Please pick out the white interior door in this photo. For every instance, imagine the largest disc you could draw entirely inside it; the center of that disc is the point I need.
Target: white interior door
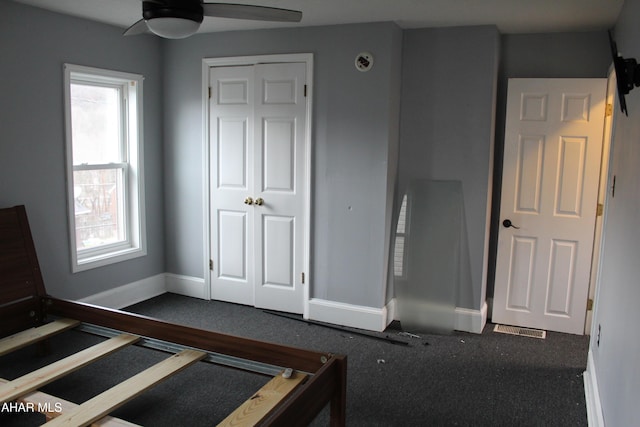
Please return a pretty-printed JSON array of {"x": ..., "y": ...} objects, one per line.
[
  {"x": 280, "y": 116},
  {"x": 257, "y": 171},
  {"x": 231, "y": 139},
  {"x": 552, "y": 157}
]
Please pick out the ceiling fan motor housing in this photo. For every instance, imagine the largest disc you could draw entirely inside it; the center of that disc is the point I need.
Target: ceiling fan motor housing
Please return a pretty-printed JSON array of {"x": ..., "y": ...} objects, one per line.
[{"x": 191, "y": 10}]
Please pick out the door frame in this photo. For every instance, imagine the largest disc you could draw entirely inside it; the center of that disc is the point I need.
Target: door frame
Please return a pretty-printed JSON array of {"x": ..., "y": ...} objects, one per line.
[
  {"x": 207, "y": 63},
  {"x": 603, "y": 188}
]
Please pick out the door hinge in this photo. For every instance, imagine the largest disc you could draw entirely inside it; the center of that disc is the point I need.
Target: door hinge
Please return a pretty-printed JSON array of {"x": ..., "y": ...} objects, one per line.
[
  {"x": 590, "y": 304},
  {"x": 211, "y": 264},
  {"x": 210, "y": 92},
  {"x": 599, "y": 209},
  {"x": 302, "y": 277},
  {"x": 608, "y": 112},
  {"x": 305, "y": 91}
]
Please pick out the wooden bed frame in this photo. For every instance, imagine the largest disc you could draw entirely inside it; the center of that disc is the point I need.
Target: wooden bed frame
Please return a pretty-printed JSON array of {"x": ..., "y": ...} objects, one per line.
[{"x": 303, "y": 382}]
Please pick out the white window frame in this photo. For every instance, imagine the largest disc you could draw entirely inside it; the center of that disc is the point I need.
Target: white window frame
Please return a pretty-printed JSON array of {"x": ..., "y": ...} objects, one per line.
[{"x": 134, "y": 243}]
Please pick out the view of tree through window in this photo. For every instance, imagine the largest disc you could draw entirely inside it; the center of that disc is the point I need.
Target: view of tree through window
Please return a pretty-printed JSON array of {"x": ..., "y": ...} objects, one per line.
[{"x": 98, "y": 164}]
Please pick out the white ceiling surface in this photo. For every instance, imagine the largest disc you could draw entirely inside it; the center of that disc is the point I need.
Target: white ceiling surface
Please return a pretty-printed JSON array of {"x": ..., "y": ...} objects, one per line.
[{"x": 510, "y": 16}]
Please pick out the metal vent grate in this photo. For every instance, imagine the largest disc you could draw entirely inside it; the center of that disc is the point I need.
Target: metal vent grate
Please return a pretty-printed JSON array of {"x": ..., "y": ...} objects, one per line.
[{"x": 525, "y": 332}]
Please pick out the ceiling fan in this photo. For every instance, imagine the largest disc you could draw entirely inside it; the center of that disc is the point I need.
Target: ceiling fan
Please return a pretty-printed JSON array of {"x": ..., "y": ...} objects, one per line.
[{"x": 177, "y": 19}]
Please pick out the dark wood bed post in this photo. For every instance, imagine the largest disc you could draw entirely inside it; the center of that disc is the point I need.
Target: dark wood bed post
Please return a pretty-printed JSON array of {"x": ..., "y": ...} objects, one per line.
[
  {"x": 328, "y": 385},
  {"x": 339, "y": 399}
]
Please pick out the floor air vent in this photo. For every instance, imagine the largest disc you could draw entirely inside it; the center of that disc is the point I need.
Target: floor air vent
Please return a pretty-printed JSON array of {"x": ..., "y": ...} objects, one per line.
[{"x": 524, "y": 332}]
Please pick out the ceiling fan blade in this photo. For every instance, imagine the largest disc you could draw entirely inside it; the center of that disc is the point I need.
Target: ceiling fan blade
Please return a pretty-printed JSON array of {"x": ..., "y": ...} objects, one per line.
[
  {"x": 139, "y": 27},
  {"x": 256, "y": 13}
]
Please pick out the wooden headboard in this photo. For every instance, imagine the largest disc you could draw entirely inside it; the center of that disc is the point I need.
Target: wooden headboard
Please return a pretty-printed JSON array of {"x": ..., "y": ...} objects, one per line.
[{"x": 21, "y": 285}]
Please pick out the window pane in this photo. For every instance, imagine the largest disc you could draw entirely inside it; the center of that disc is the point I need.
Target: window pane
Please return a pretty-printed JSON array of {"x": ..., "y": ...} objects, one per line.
[
  {"x": 95, "y": 124},
  {"x": 99, "y": 207}
]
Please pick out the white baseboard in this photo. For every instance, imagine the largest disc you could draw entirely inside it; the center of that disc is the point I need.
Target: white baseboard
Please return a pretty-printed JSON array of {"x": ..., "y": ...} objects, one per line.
[
  {"x": 466, "y": 319},
  {"x": 129, "y": 294},
  {"x": 595, "y": 418},
  {"x": 141, "y": 290},
  {"x": 354, "y": 316},
  {"x": 185, "y": 285},
  {"x": 377, "y": 319},
  {"x": 392, "y": 311},
  {"x": 469, "y": 320}
]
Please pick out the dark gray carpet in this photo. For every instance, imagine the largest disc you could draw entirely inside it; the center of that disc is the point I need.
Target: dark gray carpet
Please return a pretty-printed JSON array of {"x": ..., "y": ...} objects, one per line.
[{"x": 438, "y": 380}]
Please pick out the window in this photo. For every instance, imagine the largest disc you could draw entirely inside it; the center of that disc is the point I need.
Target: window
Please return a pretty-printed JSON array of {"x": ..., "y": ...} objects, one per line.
[{"x": 104, "y": 166}]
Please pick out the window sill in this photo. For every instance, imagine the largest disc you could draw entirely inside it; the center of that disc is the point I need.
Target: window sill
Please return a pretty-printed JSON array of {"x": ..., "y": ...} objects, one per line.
[{"x": 102, "y": 260}]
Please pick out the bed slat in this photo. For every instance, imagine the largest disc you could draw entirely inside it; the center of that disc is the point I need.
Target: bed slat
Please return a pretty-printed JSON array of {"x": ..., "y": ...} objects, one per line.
[
  {"x": 120, "y": 394},
  {"x": 52, "y": 372},
  {"x": 258, "y": 406},
  {"x": 52, "y": 407},
  {"x": 33, "y": 335}
]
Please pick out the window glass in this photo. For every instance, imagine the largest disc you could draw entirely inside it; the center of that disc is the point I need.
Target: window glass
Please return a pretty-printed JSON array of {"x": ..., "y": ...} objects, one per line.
[
  {"x": 96, "y": 124},
  {"x": 98, "y": 206}
]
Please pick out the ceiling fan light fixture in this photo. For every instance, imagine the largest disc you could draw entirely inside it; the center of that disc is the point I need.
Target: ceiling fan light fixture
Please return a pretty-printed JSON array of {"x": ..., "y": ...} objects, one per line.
[
  {"x": 172, "y": 27},
  {"x": 178, "y": 19}
]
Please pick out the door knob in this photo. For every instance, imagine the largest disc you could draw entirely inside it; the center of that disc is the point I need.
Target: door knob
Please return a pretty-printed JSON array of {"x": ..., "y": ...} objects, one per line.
[
  {"x": 259, "y": 201},
  {"x": 248, "y": 201},
  {"x": 507, "y": 223}
]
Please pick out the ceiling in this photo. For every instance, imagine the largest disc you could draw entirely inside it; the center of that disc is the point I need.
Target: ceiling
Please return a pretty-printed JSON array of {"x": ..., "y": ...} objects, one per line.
[{"x": 510, "y": 16}]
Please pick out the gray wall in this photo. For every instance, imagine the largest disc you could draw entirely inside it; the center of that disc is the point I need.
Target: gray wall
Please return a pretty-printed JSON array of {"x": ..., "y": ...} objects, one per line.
[
  {"x": 616, "y": 311},
  {"x": 556, "y": 55},
  {"x": 34, "y": 44},
  {"x": 355, "y": 122},
  {"x": 355, "y": 134},
  {"x": 449, "y": 86}
]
